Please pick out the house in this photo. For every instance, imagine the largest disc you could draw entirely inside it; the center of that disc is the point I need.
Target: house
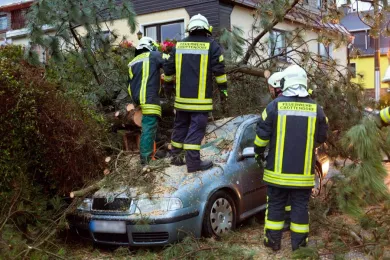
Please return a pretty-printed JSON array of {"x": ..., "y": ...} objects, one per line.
[
  {"x": 362, "y": 52},
  {"x": 168, "y": 19},
  {"x": 13, "y": 26},
  {"x": 13, "y": 22}
]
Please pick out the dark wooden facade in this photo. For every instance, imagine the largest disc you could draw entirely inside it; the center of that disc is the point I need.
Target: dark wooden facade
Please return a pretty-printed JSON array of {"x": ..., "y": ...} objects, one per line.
[{"x": 217, "y": 12}]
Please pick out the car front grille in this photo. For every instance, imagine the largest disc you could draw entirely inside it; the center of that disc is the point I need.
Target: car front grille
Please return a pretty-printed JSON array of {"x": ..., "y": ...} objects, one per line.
[
  {"x": 119, "y": 204},
  {"x": 150, "y": 237},
  {"x": 112, "y": 238}
]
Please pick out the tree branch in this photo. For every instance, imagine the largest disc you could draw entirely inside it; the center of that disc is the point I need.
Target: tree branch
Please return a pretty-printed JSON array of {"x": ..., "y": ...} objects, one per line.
[
  {"x": 83, "y": 48},
  {"x": 264, "y": 32}
]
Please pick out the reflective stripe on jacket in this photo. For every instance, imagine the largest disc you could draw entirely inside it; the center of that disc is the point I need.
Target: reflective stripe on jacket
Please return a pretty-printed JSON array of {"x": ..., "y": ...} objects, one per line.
[
  {"x": 144, "y": 81},
  {"x": 194, "y": 61},
  {"x": 291, "y": 126}
]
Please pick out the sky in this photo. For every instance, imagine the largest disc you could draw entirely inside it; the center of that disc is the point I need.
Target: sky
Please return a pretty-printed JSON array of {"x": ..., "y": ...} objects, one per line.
[{"x": 5, "y": 2}]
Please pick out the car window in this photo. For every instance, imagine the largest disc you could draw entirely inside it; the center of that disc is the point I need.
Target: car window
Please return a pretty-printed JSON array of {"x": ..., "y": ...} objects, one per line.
[{"x": 248, "y": 137}]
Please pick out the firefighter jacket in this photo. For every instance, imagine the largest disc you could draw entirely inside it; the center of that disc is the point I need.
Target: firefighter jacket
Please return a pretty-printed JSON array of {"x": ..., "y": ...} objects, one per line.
[
  {"x": 291, "y": 126},
  {"x": 194, "y": 61},
  {"x": 385, "y": 115},
  {"x": 144, "y": 81}
]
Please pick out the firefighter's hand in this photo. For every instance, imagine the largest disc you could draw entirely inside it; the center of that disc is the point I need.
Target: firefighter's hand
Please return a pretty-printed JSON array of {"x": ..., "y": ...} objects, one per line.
[
  {"x": 260, "y": 159},
  {"x": 223, "y": 95}
]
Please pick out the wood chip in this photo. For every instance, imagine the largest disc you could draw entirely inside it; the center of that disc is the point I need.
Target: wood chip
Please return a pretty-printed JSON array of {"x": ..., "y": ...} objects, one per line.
[{"x": 130, "y": 107}]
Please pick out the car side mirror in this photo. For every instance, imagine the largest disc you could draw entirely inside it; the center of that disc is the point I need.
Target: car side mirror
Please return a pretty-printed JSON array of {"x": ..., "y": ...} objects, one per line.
[{"x": 248, "y": 152}]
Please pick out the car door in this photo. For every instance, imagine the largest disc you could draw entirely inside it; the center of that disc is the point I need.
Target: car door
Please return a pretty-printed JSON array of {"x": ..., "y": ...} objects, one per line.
[{"x": 251, "y": 175}]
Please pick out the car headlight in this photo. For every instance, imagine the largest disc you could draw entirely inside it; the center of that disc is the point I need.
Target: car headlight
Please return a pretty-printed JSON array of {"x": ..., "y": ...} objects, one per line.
[
  {"x": 144, "y": 206},
  {"x": 86, "y": 205}
]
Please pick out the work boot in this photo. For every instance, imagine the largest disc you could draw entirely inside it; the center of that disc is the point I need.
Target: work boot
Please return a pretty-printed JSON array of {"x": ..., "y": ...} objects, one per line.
[
  {"x": 303, "y": 243},
  {"x": 204, "y": 165},
  {"x": 160, "y": 154},
  {"x": 177, "y": 161},
  {"x": 272, "y": 244}
]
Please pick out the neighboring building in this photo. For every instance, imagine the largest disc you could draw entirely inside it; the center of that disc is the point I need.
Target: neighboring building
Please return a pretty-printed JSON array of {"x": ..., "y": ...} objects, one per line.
[
  {"x": 168, "y": 19},
  {"x": 13, "y": 22},
  {"x": 362, "y": 53},
  {"x": 13, "y": 26}
]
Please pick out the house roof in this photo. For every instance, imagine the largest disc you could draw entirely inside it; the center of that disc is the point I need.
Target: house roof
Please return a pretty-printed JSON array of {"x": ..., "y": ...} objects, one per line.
[
  {"x": 21, "y": 4},
  {"x": 304, "y": 16},
  {"x": 353, "y": 22}
]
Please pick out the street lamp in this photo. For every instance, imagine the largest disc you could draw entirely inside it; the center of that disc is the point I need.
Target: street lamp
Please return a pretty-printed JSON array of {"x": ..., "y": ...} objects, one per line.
[{"x": 139, "y": 35}]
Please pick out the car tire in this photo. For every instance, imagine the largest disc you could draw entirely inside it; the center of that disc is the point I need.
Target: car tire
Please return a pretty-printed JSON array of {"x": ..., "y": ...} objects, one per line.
[{"x": 220, "y": 215}]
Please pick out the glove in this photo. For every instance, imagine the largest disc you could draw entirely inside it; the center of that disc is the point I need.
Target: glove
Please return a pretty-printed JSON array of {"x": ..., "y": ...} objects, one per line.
[
  {"x": 223, "y": 96},
  {"x": 260, "y": 159}
]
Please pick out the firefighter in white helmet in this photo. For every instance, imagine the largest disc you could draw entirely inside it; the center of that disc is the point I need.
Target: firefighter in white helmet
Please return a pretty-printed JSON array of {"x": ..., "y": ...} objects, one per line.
[
  {"x": 292, "y": 124},
  {"x": 194, "y": 61},
  {"x": 144, "y": 87}
]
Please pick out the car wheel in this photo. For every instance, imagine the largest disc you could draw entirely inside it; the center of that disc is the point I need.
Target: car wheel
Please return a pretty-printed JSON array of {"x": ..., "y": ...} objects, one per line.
[{"x": 220, "y": 215}]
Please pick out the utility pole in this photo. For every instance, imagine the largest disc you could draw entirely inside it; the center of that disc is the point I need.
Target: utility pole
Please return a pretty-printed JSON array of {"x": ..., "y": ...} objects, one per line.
[{"x": 377, "y": 54}]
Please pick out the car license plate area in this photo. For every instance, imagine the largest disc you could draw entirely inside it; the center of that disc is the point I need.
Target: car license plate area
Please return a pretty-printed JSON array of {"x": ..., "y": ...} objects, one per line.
[{"x": 102, "y": 226}]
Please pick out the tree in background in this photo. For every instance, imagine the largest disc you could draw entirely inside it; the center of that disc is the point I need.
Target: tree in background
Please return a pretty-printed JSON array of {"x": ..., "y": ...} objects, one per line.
[{"x": 84, "y": 44}]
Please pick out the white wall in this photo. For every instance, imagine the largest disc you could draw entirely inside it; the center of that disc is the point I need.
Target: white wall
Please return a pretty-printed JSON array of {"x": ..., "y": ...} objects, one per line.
[{"x": 242, "y": 18}]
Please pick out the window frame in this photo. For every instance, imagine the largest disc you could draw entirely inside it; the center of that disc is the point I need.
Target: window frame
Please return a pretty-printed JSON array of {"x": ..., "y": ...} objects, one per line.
[
  {"x": 352, "y": 69},
  {"x": 250, "y": 125},
  {"x": 273, "y": 48},
  {"x": 7, "y": 22},
  {"x": 328, "y": 50},
  {"x": 158, "y": 28}
]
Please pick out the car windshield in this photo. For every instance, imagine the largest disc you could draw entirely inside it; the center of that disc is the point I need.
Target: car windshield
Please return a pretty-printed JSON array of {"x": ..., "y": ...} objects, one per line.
[{"x": 219, "y": 138}]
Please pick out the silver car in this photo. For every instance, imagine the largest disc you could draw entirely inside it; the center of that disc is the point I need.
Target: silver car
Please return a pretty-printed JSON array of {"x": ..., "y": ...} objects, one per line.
[{"x": 207, "y": 203}]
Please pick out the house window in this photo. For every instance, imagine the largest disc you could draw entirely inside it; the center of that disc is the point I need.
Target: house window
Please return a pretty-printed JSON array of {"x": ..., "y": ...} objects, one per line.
[
  {"x": 278, "y": 44},
  {"x": 3, "y": 22},
  {"x": 319, "y": 3},
  {"x": 164, "y": 31},
  {"x": 325, "y": 52},
  {"x": 352, "y": 69}
]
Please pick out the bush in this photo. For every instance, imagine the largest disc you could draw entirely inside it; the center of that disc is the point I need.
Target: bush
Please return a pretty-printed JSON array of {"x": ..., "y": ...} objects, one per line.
[{"x": 51, "y": 139}]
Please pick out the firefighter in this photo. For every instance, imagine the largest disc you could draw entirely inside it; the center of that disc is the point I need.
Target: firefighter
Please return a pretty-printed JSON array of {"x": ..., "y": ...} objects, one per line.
[
  {"x": 292, "y": 125},
  {"x": 144, "y": 87},
  {"x": 194, "y": 61},
  {"x": 275, "y": 91}
]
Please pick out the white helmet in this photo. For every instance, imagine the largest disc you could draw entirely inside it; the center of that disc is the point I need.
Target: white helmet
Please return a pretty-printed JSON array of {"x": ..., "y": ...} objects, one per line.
[
  {"x": 292, "y": 76},
  {"x": 198, "y": 22},
  {"x": 146, "y": 42},
  {"x": 274, "y": 80}
]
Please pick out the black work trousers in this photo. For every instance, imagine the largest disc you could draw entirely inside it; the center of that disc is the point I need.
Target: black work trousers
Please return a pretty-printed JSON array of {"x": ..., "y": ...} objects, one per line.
[
  {"x": 277, "y": 199},
  {"x": 188, "y": 131}
]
